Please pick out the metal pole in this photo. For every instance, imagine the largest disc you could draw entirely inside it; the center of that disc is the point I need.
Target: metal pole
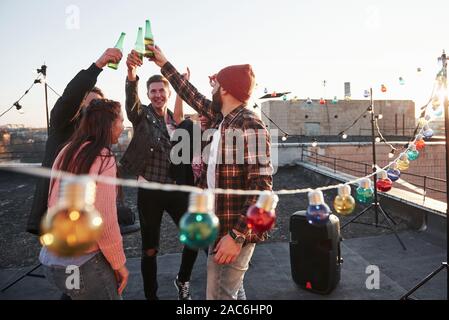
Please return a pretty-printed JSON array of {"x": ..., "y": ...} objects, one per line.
[
  {"x": 44, "y": 73},
  {"x": 446, "y": 130},
  {"x": 373, "y": 137}
]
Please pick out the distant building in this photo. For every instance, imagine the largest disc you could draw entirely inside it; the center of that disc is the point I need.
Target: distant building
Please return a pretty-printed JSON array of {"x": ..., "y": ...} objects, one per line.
[{"x": 299, "y": 118}]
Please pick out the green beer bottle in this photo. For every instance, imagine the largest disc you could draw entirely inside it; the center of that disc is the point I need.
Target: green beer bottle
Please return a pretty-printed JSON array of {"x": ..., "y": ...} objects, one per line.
[
  {"x": 149, "y": 39},
  {"x": 118, "y": 45},
  {"x": 139, "y": 46}
]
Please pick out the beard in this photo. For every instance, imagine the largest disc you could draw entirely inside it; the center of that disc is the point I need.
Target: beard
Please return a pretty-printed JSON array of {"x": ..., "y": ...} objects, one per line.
[{"x": 217, "y": 102}]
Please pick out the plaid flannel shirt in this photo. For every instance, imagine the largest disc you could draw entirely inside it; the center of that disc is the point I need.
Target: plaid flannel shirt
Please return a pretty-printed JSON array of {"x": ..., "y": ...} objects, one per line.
[{"x": 252, "y": 174}]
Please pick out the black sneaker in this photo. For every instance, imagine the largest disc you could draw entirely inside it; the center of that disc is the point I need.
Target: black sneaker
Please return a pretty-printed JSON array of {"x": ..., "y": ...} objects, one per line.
[{"x": 183, "y": 289}]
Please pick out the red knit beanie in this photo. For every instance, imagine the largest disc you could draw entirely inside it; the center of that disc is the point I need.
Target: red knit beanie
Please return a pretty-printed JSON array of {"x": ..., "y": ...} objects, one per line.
[{"x": 238, "y": 80}]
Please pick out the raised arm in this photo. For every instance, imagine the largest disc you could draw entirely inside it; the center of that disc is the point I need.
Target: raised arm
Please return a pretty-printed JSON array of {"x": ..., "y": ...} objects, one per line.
[
  {"x": 178, "y": 113},
  {"x": 69, "y": 104},
  {"x": 132, "y": 104},
  {"x": 183, "y": 87}
]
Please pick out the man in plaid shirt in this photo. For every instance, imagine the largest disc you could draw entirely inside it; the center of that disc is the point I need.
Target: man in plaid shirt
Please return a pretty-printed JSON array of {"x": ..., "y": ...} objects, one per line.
[{"x": 245, "y": 166}]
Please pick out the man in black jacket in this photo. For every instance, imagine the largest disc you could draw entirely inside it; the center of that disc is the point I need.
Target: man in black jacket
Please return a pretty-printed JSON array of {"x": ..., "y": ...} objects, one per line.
[
  {"x": 148, "y": 158},
  {"x": 64, "y": 119}
]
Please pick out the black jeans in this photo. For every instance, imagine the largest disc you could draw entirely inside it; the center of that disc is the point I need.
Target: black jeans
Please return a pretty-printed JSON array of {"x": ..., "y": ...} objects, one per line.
[{"x": 151, "y": 205}]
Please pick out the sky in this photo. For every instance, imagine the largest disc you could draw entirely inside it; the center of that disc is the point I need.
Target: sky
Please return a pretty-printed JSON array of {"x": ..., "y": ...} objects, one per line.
[{"x": 292, "y": 45}]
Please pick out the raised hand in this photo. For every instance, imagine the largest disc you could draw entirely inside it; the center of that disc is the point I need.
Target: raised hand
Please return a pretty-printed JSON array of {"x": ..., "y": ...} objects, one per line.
[
  {"x": 159, "y": 58},
  {"x": 113, "y": 55},
  {"x": 132, "y": 62},
  {"x": 187, "y": 74}
]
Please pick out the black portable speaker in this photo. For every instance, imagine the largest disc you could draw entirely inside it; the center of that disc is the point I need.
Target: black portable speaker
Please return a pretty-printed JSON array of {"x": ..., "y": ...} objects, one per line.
[{"x": 315, "y": 255}]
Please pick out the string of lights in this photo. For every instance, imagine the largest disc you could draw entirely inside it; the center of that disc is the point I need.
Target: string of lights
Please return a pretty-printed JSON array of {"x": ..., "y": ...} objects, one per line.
[
  {"x": 343, "y": 133},
  {"x": 423, "y": 120},
  {"x": 286, "y": 135},
  {"x": 48, "y": 173},
  {"x": 17, "y": 103}
]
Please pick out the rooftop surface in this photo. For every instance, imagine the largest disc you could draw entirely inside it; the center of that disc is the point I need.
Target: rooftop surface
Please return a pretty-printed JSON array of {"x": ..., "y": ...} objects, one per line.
[{"x": 269, "y": 276}]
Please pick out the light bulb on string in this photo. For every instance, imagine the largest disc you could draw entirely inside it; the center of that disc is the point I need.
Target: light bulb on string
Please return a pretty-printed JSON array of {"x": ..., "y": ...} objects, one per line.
[
  {"x": 344, "y": 203},
  {"x": 383, "y": 183},
  {"x": 284, "y": 97},
  {"x": 73, "y": 225},
  {"x": 438, "y": 112},
  {"x": 439, "y": 98},
  {"x": 378, "y": 139},
  {"x": 322, "y": 101},
  {"x": 309, "y": 101},
  {"x": 427, "y": 132},
  {"x": 403, "y": 163},
  {"x": 335, "y": 100},
  {"x": 261, "y": 217},
  {"x": 393, "y": 173},
  {"x": 198, "y": 227},
  {"x": 19, "y": 108},
  {"x": 344, "y": 136},
  {"x": 383, "y": 88},
  {"x": 365, "y": 192},
  {"x": 412, "y": 153},
  {"x": 318, "y": 211},
  {"x": 422, "y": 122},
  {"x": 284, "y": 137},
  {"x": 391, "y": 154},
  {"x": 380, "y": 116},
  {"x": 420, "y": 143},
  {"x": 274, "y": 94},
  {"x": 265, "y": 90},
  {"x": 436, "y": 102},
  {"x": 366, "y": 93},
  {"x": 314, "y": 143}
]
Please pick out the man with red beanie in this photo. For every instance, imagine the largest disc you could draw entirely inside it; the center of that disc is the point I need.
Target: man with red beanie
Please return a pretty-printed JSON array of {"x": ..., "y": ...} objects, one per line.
[{"x": 232, "y": 87}]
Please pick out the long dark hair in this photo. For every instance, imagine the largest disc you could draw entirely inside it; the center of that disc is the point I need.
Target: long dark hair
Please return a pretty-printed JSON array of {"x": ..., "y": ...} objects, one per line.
[{"x": 95, "y": 133}]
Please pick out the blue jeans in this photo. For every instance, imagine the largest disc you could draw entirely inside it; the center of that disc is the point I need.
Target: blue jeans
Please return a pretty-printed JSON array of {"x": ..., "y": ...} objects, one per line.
[
  {"x": 225, "y": 281},
  {"x": 96, "y": 280}
]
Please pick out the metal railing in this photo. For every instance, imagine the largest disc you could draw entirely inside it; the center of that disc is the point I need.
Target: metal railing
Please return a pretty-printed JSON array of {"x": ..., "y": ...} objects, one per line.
[{"x": 365, "y": 169}]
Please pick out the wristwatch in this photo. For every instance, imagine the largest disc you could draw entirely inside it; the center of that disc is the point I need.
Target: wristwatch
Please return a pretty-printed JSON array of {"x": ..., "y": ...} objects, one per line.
[{"x": 239, "y": 239}]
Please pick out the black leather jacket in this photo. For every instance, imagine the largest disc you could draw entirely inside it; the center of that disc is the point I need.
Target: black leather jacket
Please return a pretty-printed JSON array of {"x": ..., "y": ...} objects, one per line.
[{"x": 150, "y": 146}]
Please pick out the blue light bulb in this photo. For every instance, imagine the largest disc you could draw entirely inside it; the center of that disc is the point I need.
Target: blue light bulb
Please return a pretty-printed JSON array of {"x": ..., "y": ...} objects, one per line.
[
  {"x": 317, "y": 212},
  {"x": 428, "y": 132},
  {"x": 394, "y": 174}
]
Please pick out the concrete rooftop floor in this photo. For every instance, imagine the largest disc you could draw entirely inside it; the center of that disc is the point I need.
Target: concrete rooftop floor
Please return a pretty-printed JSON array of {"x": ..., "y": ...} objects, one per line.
[{"x": 269, "y": 277}]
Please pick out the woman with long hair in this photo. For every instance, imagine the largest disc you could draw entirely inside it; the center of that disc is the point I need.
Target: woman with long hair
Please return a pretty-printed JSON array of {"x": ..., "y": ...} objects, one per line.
[{"x": 102, "y": 271}]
